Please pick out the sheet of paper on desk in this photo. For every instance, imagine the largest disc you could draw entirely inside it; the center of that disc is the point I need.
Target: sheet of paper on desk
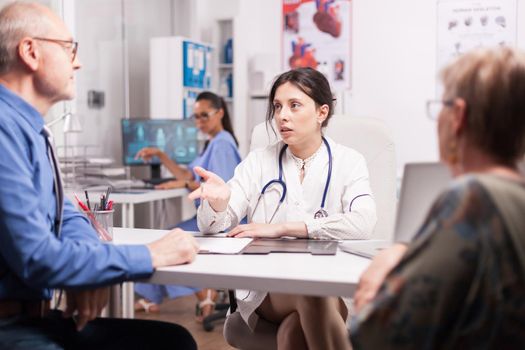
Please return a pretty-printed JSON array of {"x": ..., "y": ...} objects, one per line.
[{"x": 222, "y": 245}]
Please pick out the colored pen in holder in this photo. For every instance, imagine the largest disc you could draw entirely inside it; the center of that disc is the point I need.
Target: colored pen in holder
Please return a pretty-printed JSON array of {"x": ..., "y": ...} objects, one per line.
[{"x": 102, "y": 222}]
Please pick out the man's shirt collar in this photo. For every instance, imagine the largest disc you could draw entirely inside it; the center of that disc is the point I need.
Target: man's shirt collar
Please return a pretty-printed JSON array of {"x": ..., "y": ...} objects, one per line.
[{"x": 24, "y": 109}]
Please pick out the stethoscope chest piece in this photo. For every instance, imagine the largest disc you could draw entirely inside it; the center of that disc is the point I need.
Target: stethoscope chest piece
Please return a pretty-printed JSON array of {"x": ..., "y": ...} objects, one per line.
[{"x": 321, "y": 213}]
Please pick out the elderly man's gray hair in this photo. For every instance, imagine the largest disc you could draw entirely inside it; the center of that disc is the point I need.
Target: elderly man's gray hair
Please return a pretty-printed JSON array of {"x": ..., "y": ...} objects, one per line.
[{"x": 17, "y": 20}]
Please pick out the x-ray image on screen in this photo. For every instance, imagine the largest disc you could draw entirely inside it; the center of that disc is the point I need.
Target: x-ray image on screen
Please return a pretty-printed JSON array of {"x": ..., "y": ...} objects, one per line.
[{"x": 177, "y": 138}]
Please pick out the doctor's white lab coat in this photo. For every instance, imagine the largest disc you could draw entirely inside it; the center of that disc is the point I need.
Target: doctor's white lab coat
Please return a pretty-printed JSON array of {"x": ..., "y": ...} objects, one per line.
[{"x": 349, "y": 201}]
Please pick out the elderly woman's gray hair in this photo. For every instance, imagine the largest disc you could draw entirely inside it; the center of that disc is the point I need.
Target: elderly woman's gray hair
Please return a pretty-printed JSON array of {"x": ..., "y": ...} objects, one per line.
[{"x": 492, "y": 83}]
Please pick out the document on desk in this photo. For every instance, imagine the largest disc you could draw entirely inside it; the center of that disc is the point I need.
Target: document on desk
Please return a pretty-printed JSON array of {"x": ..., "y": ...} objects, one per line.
[{"x": 222, "y": 245}]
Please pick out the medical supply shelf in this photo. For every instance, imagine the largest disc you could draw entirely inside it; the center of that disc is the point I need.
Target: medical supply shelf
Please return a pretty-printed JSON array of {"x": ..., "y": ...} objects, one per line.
[{"x": 180, "y": 69}]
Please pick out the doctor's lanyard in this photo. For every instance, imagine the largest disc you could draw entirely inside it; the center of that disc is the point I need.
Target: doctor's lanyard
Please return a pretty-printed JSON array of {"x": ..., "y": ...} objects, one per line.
[{"x": 321, "y": 213}]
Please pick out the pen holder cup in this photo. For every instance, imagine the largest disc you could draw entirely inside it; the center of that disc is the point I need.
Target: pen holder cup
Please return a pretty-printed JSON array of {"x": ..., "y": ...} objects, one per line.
[{"x": 102, "y": 222}]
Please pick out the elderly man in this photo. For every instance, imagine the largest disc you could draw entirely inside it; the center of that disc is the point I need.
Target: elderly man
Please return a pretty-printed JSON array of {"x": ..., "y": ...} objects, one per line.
[{"x": 44, "y": 242}]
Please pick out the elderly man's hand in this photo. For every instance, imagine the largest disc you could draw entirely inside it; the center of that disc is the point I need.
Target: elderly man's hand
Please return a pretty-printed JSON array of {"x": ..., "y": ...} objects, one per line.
[
  {"x": 85, "y": 305},
  {"x": 375, "y": 274},
  {"x": 175, "y": 248}
]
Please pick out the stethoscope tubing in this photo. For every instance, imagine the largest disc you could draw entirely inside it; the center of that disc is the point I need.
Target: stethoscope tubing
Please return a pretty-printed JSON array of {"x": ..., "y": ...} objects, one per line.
[
  {"x": 329, "y": 176},
  {"x": 281, "y": 182}
]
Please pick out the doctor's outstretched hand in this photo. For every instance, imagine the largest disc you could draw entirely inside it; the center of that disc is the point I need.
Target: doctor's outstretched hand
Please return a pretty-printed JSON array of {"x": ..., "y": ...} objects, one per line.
[{"x": 213, "y": 189}]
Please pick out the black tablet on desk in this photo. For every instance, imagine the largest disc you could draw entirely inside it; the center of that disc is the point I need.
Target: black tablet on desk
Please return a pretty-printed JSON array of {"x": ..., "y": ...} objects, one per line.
[{"x": 314, "y": 247}]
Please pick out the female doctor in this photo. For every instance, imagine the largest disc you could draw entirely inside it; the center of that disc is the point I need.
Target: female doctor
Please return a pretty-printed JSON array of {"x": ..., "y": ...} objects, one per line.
[{"x": 304, "y": 186}]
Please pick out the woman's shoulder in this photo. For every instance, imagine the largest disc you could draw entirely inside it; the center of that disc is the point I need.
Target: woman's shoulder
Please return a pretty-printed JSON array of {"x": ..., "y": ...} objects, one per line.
[
  {"x": 470, "y": 198},
  {"x": 490, "y": 189},
  {"x": 223, "y": 138},
  {"x": 222, "y": 142},
  {"x": 471, "y": 183},
  {"x": 461, "y": 192},
  {"x": 463, "y": 208}
]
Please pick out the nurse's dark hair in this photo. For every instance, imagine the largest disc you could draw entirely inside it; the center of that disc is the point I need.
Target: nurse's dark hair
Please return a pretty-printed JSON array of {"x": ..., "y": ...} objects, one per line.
[
  {"x": 217, "y": 102},
  {"x": 311, "y": 82}
]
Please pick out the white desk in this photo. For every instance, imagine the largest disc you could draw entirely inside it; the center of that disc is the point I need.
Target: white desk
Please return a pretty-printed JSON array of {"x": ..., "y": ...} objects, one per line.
[
  {"x": 332, "y": 275},
  {"x": 128, "y": 200}
]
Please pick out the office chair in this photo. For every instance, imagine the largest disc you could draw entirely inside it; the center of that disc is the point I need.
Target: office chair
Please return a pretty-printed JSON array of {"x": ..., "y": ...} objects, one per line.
[
  {"x": 372, "y": 139},
  {"x": 221, "y": 311}
]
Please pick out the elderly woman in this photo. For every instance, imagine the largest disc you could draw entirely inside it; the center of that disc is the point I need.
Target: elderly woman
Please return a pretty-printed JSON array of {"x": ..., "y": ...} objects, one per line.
[{"x": 461, "y": 282}]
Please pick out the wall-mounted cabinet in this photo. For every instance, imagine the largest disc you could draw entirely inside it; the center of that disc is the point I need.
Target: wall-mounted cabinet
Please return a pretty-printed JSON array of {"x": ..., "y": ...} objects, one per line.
[
  {"x": 225, "y": 63},
  {"x": 180, "y": 69}
]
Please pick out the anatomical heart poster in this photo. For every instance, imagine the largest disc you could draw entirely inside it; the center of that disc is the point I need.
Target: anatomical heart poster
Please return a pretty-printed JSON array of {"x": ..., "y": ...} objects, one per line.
[{"x": 317, "y": 34}]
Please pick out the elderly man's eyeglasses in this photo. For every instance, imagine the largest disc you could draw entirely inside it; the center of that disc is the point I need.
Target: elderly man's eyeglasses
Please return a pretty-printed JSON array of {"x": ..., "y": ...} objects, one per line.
[
  {"x": 434, "y": 107},
  {"x": 70, "y": 45},
  {"x": 203, "y": 116}
]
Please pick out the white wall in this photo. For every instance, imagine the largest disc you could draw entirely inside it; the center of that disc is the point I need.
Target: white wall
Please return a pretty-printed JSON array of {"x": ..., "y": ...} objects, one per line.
[
  {"x": 114, "y": 49},
  {"x": 394, "y": 63},
  {"x": 394, "y": 71},
  {"x": 100, "y": 34}
]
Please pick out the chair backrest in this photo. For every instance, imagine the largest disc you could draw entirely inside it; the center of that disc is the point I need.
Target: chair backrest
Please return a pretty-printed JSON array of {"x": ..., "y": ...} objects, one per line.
[{"x": 371, "y": 138}]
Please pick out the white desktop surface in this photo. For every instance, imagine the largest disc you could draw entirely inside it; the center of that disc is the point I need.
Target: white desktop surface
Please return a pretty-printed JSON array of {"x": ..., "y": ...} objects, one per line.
[
  {"x": 146, "y": 195},
  {"x": 299, "y": 273}
]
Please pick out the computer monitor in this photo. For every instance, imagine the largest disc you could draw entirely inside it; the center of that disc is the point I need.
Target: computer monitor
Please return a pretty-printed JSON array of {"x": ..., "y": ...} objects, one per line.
[{"x": 177, "y": 138}]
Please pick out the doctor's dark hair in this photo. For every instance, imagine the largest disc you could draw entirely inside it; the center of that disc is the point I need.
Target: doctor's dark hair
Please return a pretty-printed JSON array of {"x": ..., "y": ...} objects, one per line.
[
  {"x": 311, "y": 82},
  {"x": 217, "y": 102}
]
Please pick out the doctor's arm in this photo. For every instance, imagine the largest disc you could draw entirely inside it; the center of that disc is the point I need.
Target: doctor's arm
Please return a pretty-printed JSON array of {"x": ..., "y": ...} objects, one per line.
[
  {"x": 224, "y": 205},
  {"x": 214, "y": 194},
  {"x": 290, "y": 229},
  {"x": 358, "y": 217}
]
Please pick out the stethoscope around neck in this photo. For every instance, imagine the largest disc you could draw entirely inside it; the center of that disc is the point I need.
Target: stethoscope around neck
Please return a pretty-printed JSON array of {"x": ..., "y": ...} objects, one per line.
[{"x": 321, "y": 213}]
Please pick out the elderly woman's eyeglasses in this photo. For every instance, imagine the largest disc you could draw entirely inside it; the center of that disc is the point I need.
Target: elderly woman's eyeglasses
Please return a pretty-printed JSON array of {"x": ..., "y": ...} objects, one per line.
[
  {"x": 70, "y": 45},
  {"x": 434, "y": 107},
  {"x": 203, "y": 116}
]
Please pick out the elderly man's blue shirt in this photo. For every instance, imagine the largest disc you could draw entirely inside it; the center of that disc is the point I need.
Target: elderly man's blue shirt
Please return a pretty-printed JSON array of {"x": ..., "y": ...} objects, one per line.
[{"x": 32, "y": 258}]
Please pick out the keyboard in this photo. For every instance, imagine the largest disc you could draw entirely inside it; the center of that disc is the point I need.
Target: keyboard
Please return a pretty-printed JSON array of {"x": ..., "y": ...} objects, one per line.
[
  {"x": 126, "y": 184},
  {"x": 158, "y": 181}
]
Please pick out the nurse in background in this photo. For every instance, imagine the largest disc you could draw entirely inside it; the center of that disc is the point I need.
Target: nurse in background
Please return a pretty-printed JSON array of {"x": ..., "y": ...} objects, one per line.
[
  {"x": 220, "y": 155},
  {"x": 301, "y": 103}
]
